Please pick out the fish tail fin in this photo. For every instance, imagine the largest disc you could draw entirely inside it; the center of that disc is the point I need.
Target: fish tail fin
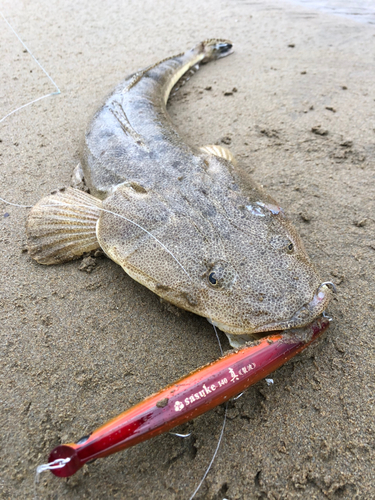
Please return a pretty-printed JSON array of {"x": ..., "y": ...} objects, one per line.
[
  {"x": 215, "y": 48},
  {"x": 62, "y": 226}
]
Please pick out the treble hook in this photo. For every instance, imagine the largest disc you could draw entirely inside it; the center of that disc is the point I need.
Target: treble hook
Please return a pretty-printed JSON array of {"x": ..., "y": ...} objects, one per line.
[{"x": 325, "y": 315}]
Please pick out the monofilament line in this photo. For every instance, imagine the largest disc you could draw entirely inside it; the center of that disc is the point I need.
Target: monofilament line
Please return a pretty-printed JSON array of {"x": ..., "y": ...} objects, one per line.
[
  {"x": 152, "y": 236},
  {"x": 221, "y": 433},
  {"x": 214, "y": 455},
  {"x": 217, "y": 337},
  {"x": 56, "y": 464},
  {"x": 59, "y": 204},
  {"x": 15, "y": 204},
  {"x": 41, "y": 67}
]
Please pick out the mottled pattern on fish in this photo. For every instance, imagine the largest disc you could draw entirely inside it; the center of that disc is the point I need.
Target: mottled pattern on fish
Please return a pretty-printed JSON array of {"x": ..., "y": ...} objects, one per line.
[
  {"x": 132, "y": 138},
  {"x": 186, "y": 222}
]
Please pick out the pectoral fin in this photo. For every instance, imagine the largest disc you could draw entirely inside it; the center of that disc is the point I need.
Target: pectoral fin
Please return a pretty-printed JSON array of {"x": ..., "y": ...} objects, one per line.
[
  {"x": 219, "y": 151},
  {"x": 62, "y": 226}
]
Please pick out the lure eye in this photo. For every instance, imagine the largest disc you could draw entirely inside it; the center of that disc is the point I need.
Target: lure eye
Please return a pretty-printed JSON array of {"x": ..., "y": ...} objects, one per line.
[
  {"x": 212, "y": 279},
  {"x": 290, "y": 248}
]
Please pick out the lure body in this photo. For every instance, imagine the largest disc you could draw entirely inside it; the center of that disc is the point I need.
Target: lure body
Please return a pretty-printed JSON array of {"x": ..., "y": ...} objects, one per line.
[{"x": 187, "y": 398}]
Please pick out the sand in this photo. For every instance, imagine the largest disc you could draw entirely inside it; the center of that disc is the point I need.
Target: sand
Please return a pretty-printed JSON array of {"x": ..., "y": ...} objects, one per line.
[{"x": 78, "y": 348}]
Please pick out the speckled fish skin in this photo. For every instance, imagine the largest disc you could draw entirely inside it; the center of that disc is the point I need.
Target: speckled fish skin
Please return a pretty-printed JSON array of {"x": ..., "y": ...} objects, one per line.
[
  {"x": 233, "y": 257},
  {"x": 132, "y": 137}
]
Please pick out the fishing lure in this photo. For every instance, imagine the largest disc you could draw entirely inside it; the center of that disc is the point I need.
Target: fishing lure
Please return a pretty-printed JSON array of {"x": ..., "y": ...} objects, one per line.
[{"x": 185, "y": 399}]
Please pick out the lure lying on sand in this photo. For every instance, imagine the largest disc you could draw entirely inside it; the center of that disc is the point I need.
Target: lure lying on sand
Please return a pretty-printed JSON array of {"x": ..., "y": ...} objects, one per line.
[{"x": 185, "y": 399}]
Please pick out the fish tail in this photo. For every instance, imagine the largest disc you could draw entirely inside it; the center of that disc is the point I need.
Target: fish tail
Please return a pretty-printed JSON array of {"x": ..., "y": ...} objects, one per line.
[
  {"x": 215, "y": 48},
  {"x": 62, "y": 226},
  {"x": 204, "y": 52}
]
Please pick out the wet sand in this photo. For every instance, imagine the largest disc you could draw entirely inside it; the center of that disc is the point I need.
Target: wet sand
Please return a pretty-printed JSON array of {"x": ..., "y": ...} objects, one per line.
[{"x": 78, "y": 348}]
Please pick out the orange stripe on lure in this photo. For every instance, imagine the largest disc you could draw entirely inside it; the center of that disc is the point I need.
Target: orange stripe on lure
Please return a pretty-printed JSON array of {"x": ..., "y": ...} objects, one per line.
[{"x": 187, "y": 398}]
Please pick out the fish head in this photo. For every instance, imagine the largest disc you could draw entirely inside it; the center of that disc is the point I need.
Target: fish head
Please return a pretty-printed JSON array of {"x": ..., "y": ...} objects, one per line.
[
  {"x": 262, "y": 279},
  {"x": 225, "y": 254},
  {"x": 258, "y": 275}
]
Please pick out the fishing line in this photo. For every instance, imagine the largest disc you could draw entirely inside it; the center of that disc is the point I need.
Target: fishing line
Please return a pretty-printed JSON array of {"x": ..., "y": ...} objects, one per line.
[
  {"x": 221, "y": 433},
  {"x": 214, "y": 455},
  {"x": 60, "y": 463},
  {"x": 180, "y": 435},
  {"x": 41, "y": 67},
  {"x": 56, "y": 464},
  {"x": 61, "y": 203},
  {"x": 15, "y": 204},
  {"x": 58, "y": 204},
  {"x": 217, "y": 337}
]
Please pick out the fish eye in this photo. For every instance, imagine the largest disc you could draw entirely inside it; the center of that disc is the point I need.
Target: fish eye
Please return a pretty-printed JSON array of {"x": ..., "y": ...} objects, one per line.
[
  {"x": 290, "y": 247},
  {"x": 212, "y": 279},
  {"x": 221, "y": 275}
]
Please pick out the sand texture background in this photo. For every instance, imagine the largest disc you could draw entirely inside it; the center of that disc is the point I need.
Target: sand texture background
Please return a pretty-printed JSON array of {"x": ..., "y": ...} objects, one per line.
[{"x": 77, "y": 348}]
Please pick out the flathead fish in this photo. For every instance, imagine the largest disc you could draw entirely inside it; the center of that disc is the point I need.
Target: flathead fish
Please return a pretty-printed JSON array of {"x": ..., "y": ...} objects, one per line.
[{"x": 185, "y": 221}]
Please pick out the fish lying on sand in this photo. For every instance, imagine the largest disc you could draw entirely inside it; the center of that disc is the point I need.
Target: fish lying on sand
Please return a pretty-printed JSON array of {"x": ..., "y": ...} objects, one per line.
[{"x": 184, "y": 221}]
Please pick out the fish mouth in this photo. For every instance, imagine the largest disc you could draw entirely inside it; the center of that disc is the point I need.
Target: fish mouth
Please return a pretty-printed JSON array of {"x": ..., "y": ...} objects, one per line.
[
  {"x": 306, "y": 314},
  {"x": 302, "y": 317}
]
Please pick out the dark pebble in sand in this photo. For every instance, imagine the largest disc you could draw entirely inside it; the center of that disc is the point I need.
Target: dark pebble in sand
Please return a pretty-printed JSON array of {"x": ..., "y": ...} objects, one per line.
[
  {"x": 226, "y": 140},
  {"x": 360, "y": 223},
  {"x": 88, "y": 265},
  {"x": 162, "y": 403},
  {"x": 272, "y": 133},
  {"x": 339, "y": 277},
  {"x": 305, "y": 216},
  {"x": 319, "y": 131}
]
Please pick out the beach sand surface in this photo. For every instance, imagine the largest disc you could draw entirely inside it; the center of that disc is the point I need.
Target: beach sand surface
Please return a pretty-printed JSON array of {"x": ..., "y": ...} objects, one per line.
[{"x": 78, "y": 348}]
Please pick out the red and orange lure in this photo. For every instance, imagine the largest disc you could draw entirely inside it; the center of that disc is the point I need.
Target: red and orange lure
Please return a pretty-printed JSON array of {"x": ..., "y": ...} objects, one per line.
[{"x": 185, "y": 399}]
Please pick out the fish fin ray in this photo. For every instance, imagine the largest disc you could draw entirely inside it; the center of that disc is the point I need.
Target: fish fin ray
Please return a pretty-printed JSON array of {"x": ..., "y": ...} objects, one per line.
[
  {"x": 62, "y": 226},
  {"x": 219, "y": 151}
]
